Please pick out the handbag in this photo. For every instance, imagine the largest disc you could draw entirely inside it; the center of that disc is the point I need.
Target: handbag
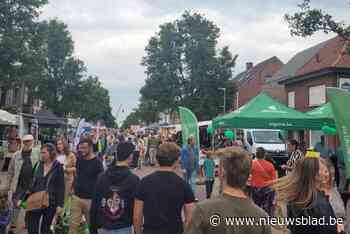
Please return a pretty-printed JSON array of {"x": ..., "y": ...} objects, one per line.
[{"x": 39, "y": 200}]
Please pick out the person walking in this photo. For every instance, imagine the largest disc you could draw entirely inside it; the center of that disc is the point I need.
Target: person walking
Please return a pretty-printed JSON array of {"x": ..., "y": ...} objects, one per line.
[
  {"x": 234, "y": 201},
  {"x": 20, "y": 179},
  {"x": 153, "y": 144},
  {"x": 209, "y": 173},
  {"x": 190, "y": 162},
  {"x": 136, "y": 153},
  {"x": 48, "y": 177},
  {"x": 302, "y": 191},
  {"x": 327, "y": 176},
  {"x": 88, "y": 168},
  {"x": 322, "y": 148},
  {"x": 68, "y": 161},
  {"x": 295, "y": 155},
  {"x": 6, "y": 156},
  {"x": 341, "y": 156},
  {"x": 142, "y": 151},
  {"x": 263, "y": 175},
  {"x": 111, "y": 151},
  {"x": 162, "y": 195},
  {"x": 112, "y": 204}
]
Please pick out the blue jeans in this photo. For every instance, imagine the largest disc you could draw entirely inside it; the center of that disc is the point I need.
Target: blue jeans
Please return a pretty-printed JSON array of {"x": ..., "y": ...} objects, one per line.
[
  {"x": 115, "y": 231},
  {"x": 190, "y": 178}
]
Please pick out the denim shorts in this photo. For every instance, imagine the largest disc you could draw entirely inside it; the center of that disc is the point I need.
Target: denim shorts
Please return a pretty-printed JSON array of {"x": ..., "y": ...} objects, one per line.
[{"x": 127, "y": 230}]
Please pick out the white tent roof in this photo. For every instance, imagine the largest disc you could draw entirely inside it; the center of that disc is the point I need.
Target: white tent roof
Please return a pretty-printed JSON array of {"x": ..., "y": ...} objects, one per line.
[{"x": 7, "y": 118}]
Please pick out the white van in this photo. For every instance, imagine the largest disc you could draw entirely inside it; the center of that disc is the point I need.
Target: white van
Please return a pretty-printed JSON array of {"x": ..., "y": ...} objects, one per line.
[{"x": 269, "y": 139}]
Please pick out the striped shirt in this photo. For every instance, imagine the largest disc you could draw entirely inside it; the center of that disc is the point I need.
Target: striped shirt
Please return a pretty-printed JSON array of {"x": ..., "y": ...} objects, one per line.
[{"x": 294, "y": 158}]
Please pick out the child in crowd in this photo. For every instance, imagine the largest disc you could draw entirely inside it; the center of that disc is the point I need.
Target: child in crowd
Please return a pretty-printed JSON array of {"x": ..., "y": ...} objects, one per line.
[
  {"x": 209, "y": 173},
  {"x": 5, "y": 216}
]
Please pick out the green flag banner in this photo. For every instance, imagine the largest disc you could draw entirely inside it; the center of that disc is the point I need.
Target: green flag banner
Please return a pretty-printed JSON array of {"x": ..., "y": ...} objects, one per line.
[
  {"x": 189, "y": 126},
  {"x": 340, "y": 100}
]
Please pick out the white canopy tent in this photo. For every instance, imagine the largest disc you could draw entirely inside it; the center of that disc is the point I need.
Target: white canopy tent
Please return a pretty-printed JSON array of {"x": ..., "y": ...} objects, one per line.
[{"x": 7, "y": 118}]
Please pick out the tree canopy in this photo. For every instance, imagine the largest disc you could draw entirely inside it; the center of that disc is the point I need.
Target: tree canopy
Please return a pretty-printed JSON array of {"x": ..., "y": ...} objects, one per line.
[
  {"x": 40, "y": 56},
  {"x": 65, "y": 88},
  {"x": 22, "y": 45},
  {"x": 185, "y": 67},
  {"x": 310, "y": 20}
]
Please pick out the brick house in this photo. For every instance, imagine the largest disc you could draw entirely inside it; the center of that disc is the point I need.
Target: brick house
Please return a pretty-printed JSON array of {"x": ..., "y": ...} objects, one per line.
[
  {"x": 251, "y": 82},
  {"x": 306, "y": 76},
  {"x": 10, "y": 99}
]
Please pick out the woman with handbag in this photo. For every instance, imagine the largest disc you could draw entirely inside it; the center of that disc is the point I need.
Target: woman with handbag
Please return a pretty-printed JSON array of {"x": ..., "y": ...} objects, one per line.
[{"x": 46, "y": 195}]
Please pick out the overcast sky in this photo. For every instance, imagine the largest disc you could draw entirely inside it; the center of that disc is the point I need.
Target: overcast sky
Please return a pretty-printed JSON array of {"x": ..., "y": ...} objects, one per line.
[{"x": 110, "y": 35}]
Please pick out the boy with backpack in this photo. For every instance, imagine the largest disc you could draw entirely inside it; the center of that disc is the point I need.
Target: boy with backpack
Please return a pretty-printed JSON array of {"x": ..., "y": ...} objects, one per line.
[{"x": 112, "y": 205}]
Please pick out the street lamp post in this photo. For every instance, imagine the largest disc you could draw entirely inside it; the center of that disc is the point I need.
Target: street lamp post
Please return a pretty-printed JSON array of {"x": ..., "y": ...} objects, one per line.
[{"x": 224, "y": 89}]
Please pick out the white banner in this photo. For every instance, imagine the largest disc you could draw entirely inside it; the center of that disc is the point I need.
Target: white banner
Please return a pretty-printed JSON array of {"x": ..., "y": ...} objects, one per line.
[{"x": 79, "y": 131}]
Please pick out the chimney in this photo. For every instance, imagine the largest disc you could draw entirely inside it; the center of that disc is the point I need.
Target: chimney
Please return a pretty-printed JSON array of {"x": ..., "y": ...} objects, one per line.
[{"x": 249, "y": 66}]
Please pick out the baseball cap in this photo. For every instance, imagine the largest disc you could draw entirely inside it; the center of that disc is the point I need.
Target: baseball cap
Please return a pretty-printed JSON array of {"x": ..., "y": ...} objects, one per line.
[
  {"x": 28, "y": 138},
  {"x": 124, "y": 150}
]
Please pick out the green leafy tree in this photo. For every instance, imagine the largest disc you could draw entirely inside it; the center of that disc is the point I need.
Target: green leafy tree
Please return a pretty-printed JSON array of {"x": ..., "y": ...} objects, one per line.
[
  {"x": 147, "y": 111},
  {"x": 22, "y": 43},
  {"x": 132, "y": 119},
  {"x": 64, "y": 73},
  {"x": 310, "y": 20},
  {"x": 94, "y": 102},
  {"x": 185, "y": 67}
]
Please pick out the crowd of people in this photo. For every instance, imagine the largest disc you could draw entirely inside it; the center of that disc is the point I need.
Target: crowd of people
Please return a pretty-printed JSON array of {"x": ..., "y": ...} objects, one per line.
[{"x": 97, "y": 178}]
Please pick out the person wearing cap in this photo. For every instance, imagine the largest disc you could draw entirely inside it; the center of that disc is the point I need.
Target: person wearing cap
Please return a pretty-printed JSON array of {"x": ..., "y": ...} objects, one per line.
[
  {"x": 112, "y": 205},
  {"x": 21, "y": 175}
]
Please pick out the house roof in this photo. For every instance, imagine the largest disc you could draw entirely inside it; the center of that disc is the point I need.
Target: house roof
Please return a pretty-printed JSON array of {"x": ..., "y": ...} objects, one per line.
[
  {"x": 245, "y": 76},
  {"x": 328, "y": 54}
]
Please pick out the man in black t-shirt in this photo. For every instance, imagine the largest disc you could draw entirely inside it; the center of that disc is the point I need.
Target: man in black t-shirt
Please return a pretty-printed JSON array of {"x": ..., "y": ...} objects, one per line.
[
  {"x": 88, "y": 170},
  {"x": 113, "y": 202},
  {"x": 162, "y": 195}
]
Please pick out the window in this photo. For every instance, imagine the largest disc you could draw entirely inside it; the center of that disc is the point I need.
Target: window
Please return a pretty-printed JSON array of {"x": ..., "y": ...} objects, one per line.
[
  {"x": 9, "y": 97},
  {"x": 344, "y": 83},
  {"x": 317, "y": 95},
  {"x": 315, "y": 137},
  {"x": 291, "y": 99},
  {"x": 26, "y": 96},
  {"x": 249, "y": 138}
]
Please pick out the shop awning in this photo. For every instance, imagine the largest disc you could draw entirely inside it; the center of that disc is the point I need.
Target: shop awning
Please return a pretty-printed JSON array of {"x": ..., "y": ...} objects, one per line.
[
  {"x": 7, "y": 118},
  {"x": 263, "y": 112}
]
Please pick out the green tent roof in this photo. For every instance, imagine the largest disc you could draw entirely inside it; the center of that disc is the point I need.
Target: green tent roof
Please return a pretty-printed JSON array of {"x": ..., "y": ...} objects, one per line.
[
  {"x": 263, "y": 112},
  {"x": 325, "y": 111},
  {"x": 324, "y": 114}
]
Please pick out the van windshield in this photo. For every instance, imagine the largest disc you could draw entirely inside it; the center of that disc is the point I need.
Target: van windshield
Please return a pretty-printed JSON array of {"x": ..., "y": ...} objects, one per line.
[{"x": 272, "y": 137}]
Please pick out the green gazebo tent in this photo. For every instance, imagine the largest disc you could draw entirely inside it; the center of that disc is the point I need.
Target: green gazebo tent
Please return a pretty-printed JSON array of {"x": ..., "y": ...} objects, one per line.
[
  {"x": 324, "y": 114},
  {"x": 263, "y": 112}
]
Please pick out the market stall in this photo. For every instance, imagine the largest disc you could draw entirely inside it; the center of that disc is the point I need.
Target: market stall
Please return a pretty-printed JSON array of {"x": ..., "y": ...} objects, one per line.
[
  {"x": 323, "y": 113},
  {"x": 263, "y": 112},
  {"x": 49, "y": 125},
  {"x": 8, "y": 119}
]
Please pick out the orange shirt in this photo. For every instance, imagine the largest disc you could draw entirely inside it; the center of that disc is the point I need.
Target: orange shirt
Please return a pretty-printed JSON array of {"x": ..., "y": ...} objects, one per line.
[{"x": 263, "y": 173}]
